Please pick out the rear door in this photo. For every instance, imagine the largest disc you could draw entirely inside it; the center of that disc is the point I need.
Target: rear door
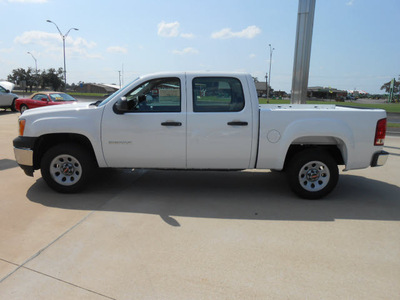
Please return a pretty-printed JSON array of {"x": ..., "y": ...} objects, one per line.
[{"x": 219, "y": 123}]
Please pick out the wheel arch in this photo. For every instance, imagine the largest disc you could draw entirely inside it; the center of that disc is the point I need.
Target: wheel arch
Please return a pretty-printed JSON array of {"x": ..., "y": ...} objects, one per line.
[
  {"x": 47, "y": 141},
  {"x": 336, "y": 148}
]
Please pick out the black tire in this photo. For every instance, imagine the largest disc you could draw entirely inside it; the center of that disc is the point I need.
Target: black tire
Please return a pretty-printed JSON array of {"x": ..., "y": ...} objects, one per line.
[
  {"x": 67, "y": 168},
  {"x": 13, "y": 108},
  {"x": 312, "y": 174},
  {"x": 23, "y": 108}
]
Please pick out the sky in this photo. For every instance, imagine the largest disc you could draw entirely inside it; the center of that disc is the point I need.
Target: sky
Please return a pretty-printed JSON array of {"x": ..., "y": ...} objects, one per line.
[{"x": 355, "y": 45}]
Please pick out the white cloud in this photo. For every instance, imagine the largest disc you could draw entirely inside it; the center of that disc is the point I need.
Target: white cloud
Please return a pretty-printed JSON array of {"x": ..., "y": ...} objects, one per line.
[
  {"x": 188, "y": 50},
  {"x": 44, "y": 39},
  {"x": 168, "y": 29},
  {"x": 227, "y": 33},
  {"x": 252, "y": 56},
  {"x": 187, "y": 35},
  {"x": 117, "y": 49},
  {"x": 7, "y": 50},
  {"x": 172, "y": 30},
  {"x": 350, "y": 2},
  {"x": 52, "y": 42}
]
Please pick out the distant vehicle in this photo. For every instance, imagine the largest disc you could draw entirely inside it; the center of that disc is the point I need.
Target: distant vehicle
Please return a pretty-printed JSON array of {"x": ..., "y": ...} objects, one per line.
[
  {"x": 41, "y": 99},
  {"x": 7, "y": 99},
  {"x": 351, "y": 97}
]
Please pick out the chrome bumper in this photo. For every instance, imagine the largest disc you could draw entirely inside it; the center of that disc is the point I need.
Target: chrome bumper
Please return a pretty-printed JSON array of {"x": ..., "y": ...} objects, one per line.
[
  {"x": 23, "y": 152},
  {"x": 23, "y": 156},
  {"x": 379, "y": 159}
]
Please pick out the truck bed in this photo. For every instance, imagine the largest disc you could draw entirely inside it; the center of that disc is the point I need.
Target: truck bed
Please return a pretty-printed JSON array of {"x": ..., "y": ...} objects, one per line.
[{"x": 284, "y": 125}]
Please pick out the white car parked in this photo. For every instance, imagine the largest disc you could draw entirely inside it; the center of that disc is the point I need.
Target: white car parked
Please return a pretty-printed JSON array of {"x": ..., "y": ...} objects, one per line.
[{"x": 7, "y": 99}]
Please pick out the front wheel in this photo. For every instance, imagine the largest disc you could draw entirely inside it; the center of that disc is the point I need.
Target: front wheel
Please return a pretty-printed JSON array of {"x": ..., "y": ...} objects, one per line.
[
  {"x": 67, "y": 168},
  {"x": 312, "y": 174}
]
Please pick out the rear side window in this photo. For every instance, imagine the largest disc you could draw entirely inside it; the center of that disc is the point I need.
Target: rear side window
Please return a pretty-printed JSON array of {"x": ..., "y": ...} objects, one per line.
[
  {"x": 217, "y": 94},
  {"x": 39, "y": 97}
]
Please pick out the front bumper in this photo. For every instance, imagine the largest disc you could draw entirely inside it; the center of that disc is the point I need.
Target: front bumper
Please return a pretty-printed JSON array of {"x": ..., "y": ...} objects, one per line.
[
  {"x": 379, "y": 158},
  {"x": 23, "y": 152}
]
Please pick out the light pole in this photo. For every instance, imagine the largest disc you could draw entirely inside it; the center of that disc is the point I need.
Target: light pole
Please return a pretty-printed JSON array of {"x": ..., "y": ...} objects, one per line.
[
  {"x": 270, "y": 61},
  {"x": 36, "y": 77},
  {"x": 63, "y": 38}
]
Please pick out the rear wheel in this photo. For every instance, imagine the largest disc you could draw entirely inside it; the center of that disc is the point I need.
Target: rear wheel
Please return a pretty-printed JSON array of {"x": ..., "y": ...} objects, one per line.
[
  {"x": 312, "y": 174},
  {"x": 67, "y": 168},
  {"x": 23, "y": 108}
]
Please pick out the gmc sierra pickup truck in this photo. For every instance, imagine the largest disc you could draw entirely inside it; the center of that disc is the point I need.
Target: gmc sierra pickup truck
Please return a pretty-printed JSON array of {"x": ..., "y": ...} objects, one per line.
[{"x": 205, "y": 121}]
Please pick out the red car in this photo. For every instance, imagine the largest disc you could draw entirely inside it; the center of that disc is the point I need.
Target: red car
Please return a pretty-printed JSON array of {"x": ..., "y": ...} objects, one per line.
[{"x": 41, "y": 99}]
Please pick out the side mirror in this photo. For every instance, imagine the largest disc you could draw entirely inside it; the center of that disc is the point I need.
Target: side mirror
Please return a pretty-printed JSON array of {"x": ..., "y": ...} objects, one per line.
[
  {"x": 44, "y": 99},
  {"x": 7, "y": 91},
  {"x": 121, "y": 106}
]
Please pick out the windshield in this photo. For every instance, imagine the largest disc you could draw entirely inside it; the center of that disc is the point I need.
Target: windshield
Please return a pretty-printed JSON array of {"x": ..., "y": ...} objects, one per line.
[
  {"x": 59, "y": 97},
  {"x": 105, "y": 101}
]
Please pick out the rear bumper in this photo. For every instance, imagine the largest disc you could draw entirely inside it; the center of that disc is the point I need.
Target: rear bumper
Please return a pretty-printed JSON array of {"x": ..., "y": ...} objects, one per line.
[
  {"x": 379, "y": 158},
  {"x": 23, "y": 152}
]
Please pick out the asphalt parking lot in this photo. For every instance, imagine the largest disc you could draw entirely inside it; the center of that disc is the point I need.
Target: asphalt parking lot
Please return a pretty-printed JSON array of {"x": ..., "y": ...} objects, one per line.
[{"x": 198, "y": 235}]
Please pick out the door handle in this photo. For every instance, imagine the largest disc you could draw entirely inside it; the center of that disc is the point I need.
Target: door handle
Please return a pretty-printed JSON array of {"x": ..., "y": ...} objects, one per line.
[
  {"x": 237, "y": 123},
  {"x": 171, "y": 124}
]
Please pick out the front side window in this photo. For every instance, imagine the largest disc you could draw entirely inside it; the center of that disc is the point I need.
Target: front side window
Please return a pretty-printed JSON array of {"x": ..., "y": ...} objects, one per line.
[
  {"x": 217, "y": 94},
  {"x": 158, "y": 95}
]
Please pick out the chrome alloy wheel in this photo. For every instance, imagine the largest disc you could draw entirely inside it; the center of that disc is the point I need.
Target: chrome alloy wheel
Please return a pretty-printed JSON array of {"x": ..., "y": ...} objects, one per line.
[
  {"x": 314, "y": 176},
  {"x": 65, "y": 169}
]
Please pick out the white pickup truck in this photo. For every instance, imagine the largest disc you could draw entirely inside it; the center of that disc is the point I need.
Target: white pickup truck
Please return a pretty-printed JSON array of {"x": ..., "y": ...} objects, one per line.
[{"x": 199, "y": 121}]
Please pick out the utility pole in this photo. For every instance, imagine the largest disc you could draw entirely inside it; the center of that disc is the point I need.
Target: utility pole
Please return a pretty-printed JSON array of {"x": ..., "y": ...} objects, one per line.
[
  {"x": 63, "y": 38},
  {"x": 302, "y": 52},
  {"x": 270, "y": 61},
  {"x": 36, "y": 75}
]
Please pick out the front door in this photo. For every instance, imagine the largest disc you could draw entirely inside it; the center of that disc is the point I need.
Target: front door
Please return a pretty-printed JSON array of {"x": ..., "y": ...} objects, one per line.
[{"x": 153, "y": 133}]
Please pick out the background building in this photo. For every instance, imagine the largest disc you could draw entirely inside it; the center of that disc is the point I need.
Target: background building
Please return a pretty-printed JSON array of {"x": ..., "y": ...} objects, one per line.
[
  {"x": 96, "y": 88},
  {"x": 320, "y": 92}
]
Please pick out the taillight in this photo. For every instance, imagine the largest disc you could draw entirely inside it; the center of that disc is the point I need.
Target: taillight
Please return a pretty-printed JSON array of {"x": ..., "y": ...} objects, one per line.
[
  {"x": 380, "y": 133},
  {"x": 21, "y": 123}
]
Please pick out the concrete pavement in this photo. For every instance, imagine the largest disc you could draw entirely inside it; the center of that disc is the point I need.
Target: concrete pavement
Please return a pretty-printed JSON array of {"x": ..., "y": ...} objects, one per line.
[{"x": 198, "y": 235}]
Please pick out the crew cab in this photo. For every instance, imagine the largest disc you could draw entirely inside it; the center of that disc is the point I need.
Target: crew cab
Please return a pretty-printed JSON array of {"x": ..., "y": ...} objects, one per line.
[{"x": 204, "y": 121}]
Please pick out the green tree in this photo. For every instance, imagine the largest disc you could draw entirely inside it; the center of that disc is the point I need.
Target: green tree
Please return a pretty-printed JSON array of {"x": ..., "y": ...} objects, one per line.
[
  {"x": 19, "y": 75},
  {"x": 52, "y": 78}
]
